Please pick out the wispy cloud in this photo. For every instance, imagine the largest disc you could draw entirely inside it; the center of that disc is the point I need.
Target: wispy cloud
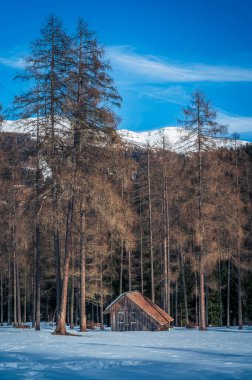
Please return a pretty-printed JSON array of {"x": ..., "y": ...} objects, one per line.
[
  {"x": 175, "y": 94},
  {"x": 236, "y": 123},
  {"x": 181, "y": 96},
  {"x": 13, "y": 62},
  {"x": 156, "y": 70}
]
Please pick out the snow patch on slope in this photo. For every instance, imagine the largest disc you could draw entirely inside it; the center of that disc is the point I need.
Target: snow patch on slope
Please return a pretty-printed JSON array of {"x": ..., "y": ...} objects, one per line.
[
  {"x": 168, "y": 137},
  {"x": 172, "y": 138},
  {"x": 13, "y": 126}
]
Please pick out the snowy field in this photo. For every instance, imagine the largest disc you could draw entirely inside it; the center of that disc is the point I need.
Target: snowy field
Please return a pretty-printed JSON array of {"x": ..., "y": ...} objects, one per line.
[{"x": 177, "y": 354}]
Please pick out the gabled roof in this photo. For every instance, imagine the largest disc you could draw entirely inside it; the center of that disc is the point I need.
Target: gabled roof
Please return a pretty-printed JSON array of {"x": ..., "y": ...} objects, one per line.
[{"x": 145, "y": 304}]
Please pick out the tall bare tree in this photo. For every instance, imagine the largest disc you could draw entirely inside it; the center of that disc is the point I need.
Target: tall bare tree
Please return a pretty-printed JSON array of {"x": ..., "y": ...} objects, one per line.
[
  {"x": 42, "y": 108},
  {"x": 200, "y": 122},
  {"x": 90, "y": 94}
]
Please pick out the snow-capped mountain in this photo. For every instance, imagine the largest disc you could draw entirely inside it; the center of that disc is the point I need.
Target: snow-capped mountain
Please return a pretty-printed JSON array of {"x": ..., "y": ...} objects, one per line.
[
  {"x": 168, "y": 137},
  {"x": 172, "y": 138}
]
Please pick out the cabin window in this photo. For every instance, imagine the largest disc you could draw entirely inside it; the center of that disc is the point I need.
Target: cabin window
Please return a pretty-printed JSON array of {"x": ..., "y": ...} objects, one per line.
[
  {"x": 132, "y": 315},
  {"x": 121, "y": 316}
]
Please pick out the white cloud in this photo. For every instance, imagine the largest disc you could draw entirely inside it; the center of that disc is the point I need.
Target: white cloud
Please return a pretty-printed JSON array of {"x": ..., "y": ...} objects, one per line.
[
  {"x": 14, "y": 62},
  {"x": 236, "y": 123},
  {"x": 154, "y": 69},
  {"x": 172, "y": 94}
]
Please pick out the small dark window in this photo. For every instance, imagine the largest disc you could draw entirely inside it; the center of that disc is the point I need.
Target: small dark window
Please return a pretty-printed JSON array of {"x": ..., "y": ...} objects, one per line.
[
  {"x": 121, "y": 316},
  {"x": 132, "y": 316}
]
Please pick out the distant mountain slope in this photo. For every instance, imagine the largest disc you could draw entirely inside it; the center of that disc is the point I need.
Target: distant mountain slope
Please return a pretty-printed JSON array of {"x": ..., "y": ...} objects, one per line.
[
  {"x": 167, "y": 137},
  {"x": 156, "y": 138}
]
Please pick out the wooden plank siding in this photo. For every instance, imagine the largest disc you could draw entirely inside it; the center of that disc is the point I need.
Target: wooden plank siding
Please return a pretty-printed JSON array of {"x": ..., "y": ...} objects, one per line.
[
  {"x": 130, "y": 318},
  {"x": 126, "y": 315}
]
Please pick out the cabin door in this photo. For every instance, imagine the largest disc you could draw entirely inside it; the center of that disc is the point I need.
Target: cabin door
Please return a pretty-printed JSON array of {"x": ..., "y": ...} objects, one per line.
[
  {"x": 121, "y": 321},
  {"x": 127, "y": 326}
]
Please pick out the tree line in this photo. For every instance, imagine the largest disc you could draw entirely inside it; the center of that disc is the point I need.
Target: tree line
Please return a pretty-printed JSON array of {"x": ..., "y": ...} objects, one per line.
[{"x": 85, "y": 217}]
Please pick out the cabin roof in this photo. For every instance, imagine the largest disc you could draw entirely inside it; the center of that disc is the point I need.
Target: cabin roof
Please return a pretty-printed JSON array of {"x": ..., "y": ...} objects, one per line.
[{"x": 145, "y": 304}]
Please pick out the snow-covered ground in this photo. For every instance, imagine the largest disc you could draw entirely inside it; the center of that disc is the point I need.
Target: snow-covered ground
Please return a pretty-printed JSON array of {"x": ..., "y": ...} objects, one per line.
[{"x": 217, "y": 354}]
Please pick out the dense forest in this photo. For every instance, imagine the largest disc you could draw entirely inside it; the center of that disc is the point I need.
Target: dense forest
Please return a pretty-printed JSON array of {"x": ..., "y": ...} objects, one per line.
[{"x": 85, "y": 217}]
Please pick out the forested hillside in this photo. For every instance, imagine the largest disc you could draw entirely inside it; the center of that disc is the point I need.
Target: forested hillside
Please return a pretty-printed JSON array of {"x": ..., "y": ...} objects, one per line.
[{"x": 85, "y": 217}]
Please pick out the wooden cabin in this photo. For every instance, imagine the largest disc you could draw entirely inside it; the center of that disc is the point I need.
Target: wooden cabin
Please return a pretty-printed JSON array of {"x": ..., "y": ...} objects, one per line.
[{"x": 132, "y": 311}]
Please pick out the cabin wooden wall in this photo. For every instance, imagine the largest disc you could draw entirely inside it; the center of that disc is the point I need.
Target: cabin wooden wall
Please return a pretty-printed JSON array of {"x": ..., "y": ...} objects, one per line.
[{"x": 126, "y": 316}]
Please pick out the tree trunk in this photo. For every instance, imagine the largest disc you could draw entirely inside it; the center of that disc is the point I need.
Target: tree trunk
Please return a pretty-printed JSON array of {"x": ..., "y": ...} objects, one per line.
[
  {"x": 68, "y": 307},
  {"x": 14, "y": 285},
  {"x": 141, "y": 247},
  {"x": 37, "y": 239},
  {"x": 151, "y": 238},
  {"x": 220, "y": 292},
  {"x": 122, "y": 251},
  {"x": 196, "y": 301},
  {"x": 37, "y": 276},
  {"x": 92, "y": 311},
  {"x": 76, "y": 308},
  {"x": 111, "y": 263},
  {"x": 57, "y": 255},
  {"x": 101, "y": 301},
  {"x": 121, "y": 267},
  {"x": 168, "y": 256},
  {"x": 47, "y": 309},
  {"x": 176, "y": 303},
  {"x": 2, "y": 305},
  {"x": 72, "y": 301},
  {"x": 33, "y": 297},
  {"x": 97, "y": 313},
  {"x": 228, "y": 291},
  {"x": 19, "y": 318},
  {"x": 184, "y": 289},
  {"x": 207, "y": 306},
  {"x": 83, "y": 317},
  {"x": 165, "y": 274},
  {"x": 25, "y": 298},
  {"x": 202, "y": 316},
  {"x": 56, "y": 234},
  {"x": 202, "y": 319},
  {"x": 101, "y": 313},
  {"x": 239, "y": 292},
  {"x": 61, "y": 323},
  {"x": 129, "y": 270},
  {"x": 9, "y": 290},
  {"x": 141, "y": 259}
]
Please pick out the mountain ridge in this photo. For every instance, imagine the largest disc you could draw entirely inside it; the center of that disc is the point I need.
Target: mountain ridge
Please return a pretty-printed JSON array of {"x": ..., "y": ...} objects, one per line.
[{"x": 169, "y": 137}]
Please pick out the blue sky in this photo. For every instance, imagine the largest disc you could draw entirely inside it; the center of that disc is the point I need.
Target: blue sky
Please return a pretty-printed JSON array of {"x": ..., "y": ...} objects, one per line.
[{"x": 160, "y": 52}]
